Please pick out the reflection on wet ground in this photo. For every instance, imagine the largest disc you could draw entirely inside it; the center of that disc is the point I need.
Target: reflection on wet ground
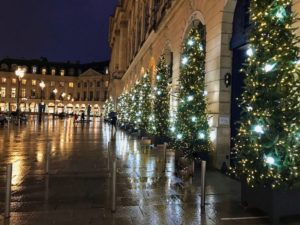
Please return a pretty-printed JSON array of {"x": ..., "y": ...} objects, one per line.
[{"x": 77, "y": 189}]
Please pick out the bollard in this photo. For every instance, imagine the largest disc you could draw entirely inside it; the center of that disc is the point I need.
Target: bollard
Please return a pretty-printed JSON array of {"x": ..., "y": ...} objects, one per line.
[
  {"x": 203, "y": 171},
  {"x": 113, "y": 192},
  {"x": 48, "y": 150},
  {"x": 8, "y": 190},
  {"x": 165, "y": 156},
  {"x": 108, "y": 156}
]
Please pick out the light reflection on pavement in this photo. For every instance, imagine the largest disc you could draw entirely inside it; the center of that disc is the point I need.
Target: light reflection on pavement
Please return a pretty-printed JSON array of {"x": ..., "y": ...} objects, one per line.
[{"x": 77, "y": 190}]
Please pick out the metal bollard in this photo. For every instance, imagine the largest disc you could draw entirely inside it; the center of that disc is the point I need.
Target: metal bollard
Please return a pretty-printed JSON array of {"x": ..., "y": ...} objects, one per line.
[
  {"x": 203, "y": 171},
  {"x": 48, "y": 150},
  {"x": 8, "y": 190},
  {"x": 165, "y": 156},
  {"x": 108, "y": 156},
  {"x": 113, "y": 192}
]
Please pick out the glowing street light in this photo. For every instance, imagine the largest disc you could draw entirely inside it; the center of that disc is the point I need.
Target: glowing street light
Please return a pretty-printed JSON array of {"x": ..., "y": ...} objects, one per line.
[{"x": 20, "y": 73}]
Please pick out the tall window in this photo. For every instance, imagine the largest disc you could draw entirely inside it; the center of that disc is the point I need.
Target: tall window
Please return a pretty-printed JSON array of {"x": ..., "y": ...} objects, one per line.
[
  {"x": 3, "y": 80},
  {"x": 3, "y": 92},
  {"x": 98, "y": 83},
  {"x": 71, "y": 84},
  {"x": 44, "y": 71},
  {"x": 32, "y": 94},
  {"x": 23, "y": 93},
  {"x": 13, "y": 92},
  {"x": 62, "y": 72},
  {"x": 24, "y": 82},
  {"x": 53, "y": 72},
  {"x": 14, "y": 81},
  {"x": 91, "y": 95},
  {"x": 33, "y": 82}
]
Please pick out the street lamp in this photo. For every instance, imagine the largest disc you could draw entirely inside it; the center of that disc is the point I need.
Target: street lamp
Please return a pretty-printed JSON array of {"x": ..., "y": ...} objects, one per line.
[
  {"x": 42, "y": 86},
  {"x": 63, "y": 95},
  {"x": 20, "y": 72},
  {"x": 54, "y": 92}
]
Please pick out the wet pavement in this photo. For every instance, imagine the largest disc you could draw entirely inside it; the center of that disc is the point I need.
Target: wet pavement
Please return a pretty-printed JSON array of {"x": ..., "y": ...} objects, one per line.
[{"x": 77, "y": 190}]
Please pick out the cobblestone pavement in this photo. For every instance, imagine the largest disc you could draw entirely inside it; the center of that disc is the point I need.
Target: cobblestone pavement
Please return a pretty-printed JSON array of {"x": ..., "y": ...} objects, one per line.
[{"x": 77, "y": 189}]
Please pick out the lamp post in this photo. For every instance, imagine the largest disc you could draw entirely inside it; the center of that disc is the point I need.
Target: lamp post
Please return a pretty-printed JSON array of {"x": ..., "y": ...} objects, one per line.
[
  {"x": 63, "y": 95},
  {"x": 42, "y": 86},
  {"x": 54, "y": 92},
  {"x": 20, "y": 72}
]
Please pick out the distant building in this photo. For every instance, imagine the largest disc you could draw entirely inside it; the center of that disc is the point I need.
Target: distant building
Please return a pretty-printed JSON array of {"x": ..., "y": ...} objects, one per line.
[{"x": 69, "y": 87}]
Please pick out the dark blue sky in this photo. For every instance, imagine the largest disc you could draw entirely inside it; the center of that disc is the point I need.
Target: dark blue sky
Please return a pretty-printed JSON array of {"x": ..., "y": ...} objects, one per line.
[{"x": 60, "y": 30}]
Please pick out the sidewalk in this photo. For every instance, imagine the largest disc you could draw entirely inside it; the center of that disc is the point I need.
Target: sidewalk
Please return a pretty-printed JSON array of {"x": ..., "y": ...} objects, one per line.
[{"x": 77, "y": 190}]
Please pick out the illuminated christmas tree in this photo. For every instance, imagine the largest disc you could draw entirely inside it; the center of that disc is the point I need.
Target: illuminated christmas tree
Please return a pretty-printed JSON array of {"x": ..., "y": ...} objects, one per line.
[
  {"x": 123, "y": 109},
  {"x": 191, "y": 127},
  {"x": 159, "y": 119},
  {"x": 108, "y": 107},
  {"x": 268, "y": 139},
  {"x": 144, "y": 104},
  {"x": 134, "y": 106}
]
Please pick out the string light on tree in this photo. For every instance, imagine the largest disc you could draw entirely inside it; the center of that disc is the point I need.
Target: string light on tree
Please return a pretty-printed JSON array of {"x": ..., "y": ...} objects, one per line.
[
  {"x": 266, "y": 143},
  {"x": 191, "y": 116}
]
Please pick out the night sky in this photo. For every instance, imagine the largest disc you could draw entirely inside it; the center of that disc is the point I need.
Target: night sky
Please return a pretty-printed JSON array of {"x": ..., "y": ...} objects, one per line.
[{"x": 60, "y": 30}]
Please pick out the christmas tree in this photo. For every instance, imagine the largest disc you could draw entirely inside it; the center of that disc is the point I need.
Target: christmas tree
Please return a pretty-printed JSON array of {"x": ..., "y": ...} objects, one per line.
[
  {"x": 144, "y": 104},
  {"x": 160, "y": 117},
  {"x": 268, "y": 139},
  {"x": 123, "y": 109},
  {"x": 191, "y": 126},
  {"x": 108, "y": 107},
  {"x": 134, "y": 106}
]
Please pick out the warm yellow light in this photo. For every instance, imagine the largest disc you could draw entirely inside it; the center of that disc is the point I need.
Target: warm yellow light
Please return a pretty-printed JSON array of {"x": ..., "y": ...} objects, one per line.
[
  {"x": 20, "y": 72},
  {"x": 42, "y": 85}
]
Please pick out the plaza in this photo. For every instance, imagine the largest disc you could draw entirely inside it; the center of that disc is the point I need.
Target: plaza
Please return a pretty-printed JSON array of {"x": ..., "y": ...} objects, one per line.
[{"x": 77, "y": 189}]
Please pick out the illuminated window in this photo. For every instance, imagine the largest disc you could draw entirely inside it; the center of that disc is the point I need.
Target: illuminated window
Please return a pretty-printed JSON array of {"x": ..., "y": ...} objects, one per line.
[
  {"x": 33, "y": 82},
  {"x": 44, "y": 71},
  {"x": 106, "y": 83},
  {"x": 52, "y": 83},
  {"x": 23, "y": 93},
  {"x": 62, "y": 84},
  {"x": 3, "y": 80},
  {"x": 62, "y": 72},
  {"x": 14, "y": 80},
  {"x": 34, "y": 69},
  {"x": 53, "y": 72},
  {"x": 3, "y": 92},
  {"x": 13, "y": 92},
  {"x": 24, "y": 82},
  {"x": 71, "y": 84}
]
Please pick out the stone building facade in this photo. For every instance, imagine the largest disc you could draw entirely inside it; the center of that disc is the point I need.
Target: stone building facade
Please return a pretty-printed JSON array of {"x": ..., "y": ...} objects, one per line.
[
  {"x": 142, "y": 31},
  {"x": 69, "y": 88}
]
